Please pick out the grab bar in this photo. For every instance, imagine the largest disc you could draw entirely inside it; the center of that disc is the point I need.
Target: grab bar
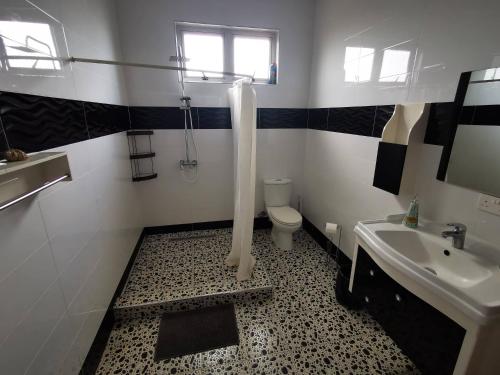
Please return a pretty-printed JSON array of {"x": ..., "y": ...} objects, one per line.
[{"x": 37, "y": 190}]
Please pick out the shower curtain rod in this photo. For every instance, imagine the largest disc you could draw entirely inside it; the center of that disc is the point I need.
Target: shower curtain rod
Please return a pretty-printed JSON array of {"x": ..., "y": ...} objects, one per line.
[{"x": 124, "y": 63}]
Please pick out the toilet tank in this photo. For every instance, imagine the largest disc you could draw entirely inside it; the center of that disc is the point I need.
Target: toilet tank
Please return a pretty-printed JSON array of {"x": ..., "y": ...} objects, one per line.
[{"x": 277, "y": 192}]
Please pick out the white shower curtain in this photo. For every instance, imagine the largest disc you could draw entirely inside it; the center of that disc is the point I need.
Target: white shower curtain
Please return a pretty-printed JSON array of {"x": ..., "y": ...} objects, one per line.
[{"x": 242, "y": 100}]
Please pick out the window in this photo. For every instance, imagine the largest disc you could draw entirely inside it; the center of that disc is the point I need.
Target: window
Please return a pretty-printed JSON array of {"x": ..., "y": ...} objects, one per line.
[
  {"x": 225, "y": 49},
  {"x": 252, "y": 56},
  {"x": 205, "y": 51},
  {"x": 30, "y": 40}
]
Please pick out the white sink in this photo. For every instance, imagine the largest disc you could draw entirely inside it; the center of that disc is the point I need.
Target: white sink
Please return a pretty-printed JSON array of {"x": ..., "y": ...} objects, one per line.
[
  {"x": 469, "y": 278},
  {"x": 456, "y": 267}
]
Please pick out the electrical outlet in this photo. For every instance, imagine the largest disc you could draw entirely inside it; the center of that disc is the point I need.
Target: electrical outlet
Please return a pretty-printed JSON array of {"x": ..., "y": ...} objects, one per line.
[{"x": 489, "y": 204}]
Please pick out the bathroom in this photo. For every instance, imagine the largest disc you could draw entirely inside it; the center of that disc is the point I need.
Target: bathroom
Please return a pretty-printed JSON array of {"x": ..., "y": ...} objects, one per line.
[{"x": 142, "y": 234}]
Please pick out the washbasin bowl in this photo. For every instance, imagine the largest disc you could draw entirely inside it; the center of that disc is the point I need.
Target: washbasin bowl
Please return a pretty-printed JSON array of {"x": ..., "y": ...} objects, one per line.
[
  {"x": 454, "y": 266},
  {"x": 468, "y": 278}
]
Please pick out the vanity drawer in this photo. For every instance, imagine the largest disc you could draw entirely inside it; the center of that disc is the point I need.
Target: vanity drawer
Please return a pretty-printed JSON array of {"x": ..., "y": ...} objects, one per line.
[{"x": 428, "y": 337}]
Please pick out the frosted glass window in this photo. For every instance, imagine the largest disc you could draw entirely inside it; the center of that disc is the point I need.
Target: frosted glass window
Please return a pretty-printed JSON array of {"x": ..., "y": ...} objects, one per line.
[
  {"x": 394, "y": 66},
  {"x": 358, "y": 64},
  {"x": 29, "y": 39},
  {"x": 204, "y": 51},
  {"x": 252, "y": 56}
]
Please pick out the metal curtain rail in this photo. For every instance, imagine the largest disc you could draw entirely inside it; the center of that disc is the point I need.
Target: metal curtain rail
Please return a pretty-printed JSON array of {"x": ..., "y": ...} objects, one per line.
[
  {"x": 124, "y": 63},
  {"x": 37, "y": 190}
]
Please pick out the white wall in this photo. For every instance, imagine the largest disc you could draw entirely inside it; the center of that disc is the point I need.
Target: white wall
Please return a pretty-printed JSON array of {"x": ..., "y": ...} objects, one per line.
[
  {"x": 82, "y": 28},
  {"x": 150, "y": 38},
  {"x": 63, "y": 252},
  {"x": 172, "y": 199},
  {"x": 445, "y": 38},
  {"x": 147, "y": 35}
]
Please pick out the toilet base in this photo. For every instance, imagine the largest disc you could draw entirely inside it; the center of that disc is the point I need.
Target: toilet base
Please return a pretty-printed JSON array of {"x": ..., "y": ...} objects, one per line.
[{"x": 282, "y": 239}]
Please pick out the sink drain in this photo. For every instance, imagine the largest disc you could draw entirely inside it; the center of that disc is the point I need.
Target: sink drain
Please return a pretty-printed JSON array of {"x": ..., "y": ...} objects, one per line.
[{"x": 431, "y": 270}]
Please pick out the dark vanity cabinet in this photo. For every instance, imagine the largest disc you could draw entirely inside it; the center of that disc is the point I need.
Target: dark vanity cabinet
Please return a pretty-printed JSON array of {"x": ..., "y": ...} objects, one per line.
[{"x": 428, "y": 337}]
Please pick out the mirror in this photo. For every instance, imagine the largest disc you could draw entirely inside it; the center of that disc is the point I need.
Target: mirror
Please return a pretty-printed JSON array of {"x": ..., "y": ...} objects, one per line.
[{"x": 474, "y": 161}]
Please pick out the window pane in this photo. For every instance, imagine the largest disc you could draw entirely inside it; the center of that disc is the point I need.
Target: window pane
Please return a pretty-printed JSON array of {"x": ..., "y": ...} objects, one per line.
[
  {"x": 31, "y": 40},
  {"x": 204, "y": 51},
  {"x": 394, "y": 66},
  {"x": 358, "y": 63},
  {"x": 252, "y": 56}
]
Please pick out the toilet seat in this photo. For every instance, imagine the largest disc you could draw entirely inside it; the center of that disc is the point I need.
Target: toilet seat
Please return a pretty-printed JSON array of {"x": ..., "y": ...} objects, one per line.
[{"x": 285, "y": 215}]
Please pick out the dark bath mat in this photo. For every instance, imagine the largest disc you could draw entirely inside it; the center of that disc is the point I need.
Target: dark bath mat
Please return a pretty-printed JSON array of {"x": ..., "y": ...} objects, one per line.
[{"x": 189, "y": 332}]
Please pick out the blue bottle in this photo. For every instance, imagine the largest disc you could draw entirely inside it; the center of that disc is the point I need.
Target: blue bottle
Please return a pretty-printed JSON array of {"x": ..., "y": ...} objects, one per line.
[{"x": 273, "y": 73}]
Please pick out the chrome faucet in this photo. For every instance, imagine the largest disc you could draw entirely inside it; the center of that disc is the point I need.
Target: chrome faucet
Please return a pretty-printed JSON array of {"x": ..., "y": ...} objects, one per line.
[{"x": 457, "y": 234}]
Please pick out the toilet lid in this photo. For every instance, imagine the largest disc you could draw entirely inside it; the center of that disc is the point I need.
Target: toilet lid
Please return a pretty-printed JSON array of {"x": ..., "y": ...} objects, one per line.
[{"x": 285, "y": 215}]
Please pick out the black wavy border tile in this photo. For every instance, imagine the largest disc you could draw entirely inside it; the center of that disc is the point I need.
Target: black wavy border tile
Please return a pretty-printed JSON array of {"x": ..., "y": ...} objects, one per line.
[
  {"x": 214, "y": 118},
  {"x": 486, "y": 115},
  {"x": 159, "y": 118},
  {"x": 383, "y": 113},
  {"x": 105, "y": 119},
  {"x": 440, "y": 121},
  {"x": 352, "y": 120},
  {"x": 282, "y": 118},
  {"x": 34, "y": 123},
  {"x": 318, "y": 119}
]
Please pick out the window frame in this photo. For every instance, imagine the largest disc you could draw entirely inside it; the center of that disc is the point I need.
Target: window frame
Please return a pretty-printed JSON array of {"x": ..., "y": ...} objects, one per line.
[{"x": 228, "y": 34}]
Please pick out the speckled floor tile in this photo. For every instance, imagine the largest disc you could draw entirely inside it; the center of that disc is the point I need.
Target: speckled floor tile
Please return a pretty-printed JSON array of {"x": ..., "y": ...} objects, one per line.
[
  {"x": 184, "y": 265},
  {"x": 301, "y": 329}
]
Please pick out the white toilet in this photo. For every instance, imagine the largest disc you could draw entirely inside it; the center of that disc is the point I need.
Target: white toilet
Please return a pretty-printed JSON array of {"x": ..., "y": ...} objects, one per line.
[{"x": 285, "y": 219}]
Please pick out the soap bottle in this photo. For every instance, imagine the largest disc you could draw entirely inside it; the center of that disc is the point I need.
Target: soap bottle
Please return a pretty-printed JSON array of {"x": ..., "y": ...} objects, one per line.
[
  {"x": 411, "y": 218},
  {"x": 273, "y": 73}
]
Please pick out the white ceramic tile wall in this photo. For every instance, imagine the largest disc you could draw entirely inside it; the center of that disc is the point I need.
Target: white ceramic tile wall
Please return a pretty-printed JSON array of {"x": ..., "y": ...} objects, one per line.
[
  {"x": 63, "y": 252},
  {"x": 147, "y": 35},
  {"x": 171, "y": 199},
  {"x": 444, "y": 38}
]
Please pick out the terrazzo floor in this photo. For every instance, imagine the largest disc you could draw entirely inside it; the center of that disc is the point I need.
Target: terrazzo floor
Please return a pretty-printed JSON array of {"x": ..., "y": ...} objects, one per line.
[
  {"x": 185, "y": 265},
  {"x": 300, "y": 330}
]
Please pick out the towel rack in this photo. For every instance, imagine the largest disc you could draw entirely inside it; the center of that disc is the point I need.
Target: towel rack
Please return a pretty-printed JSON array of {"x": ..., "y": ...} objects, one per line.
[
  {"x": 29, "y": 194},
  {"x": 22, "y": 179}
]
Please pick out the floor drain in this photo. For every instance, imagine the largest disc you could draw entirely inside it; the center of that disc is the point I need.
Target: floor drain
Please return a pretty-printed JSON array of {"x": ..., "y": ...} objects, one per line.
[{"x": 431, "y": 270}]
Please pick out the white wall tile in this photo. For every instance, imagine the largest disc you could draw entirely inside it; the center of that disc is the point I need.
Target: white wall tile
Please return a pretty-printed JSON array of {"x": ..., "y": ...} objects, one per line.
[
  {"x": 71, "y": 220},
  {"x": 22, "y": 233},
  {"x": 51, "y": 359},
  {"x": 22, "y": 288},
  {"x": 29, "y": 336}
]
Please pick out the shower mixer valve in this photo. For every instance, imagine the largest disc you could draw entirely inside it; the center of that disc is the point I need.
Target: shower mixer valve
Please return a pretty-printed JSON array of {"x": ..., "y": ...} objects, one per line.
[{"x": 188, "y": 163}]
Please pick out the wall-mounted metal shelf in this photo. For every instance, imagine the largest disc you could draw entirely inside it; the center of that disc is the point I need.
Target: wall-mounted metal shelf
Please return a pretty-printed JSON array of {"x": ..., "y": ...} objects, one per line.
[
  {"x": 143, "y": 155},
  {"x": 144, "y": 177},
  {"x": 136, "y": 144},
  {"x": 22, "y": 179}
]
